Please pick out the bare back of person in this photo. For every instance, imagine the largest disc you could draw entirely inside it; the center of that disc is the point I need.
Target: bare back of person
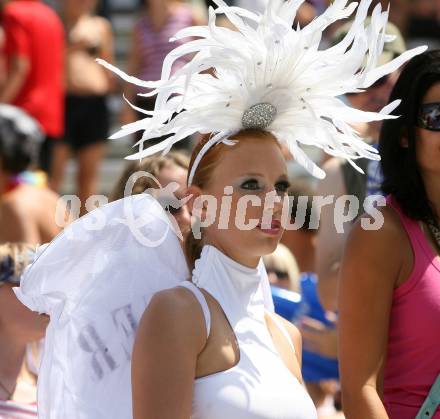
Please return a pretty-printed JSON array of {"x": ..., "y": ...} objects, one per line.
[
  {"x": 28, "y": 214},
  {"x": 90, "y": 38}
]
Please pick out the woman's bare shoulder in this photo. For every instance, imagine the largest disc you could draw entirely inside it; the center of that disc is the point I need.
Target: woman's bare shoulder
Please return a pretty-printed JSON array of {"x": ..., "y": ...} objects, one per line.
[
  {"x": 175, "y": 313},
  {"x": 385, "y": 227},
  {"x": 175, "y": 300},
  {"x": 384, "y": 249}
]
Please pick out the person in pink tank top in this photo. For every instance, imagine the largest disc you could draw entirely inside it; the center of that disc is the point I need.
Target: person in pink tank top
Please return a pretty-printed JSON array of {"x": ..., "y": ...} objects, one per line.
[{"x": 389, "y": 297}]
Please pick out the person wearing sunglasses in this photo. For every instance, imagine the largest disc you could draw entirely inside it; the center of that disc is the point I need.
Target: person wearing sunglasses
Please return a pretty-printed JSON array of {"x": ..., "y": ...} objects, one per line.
[{"x": 389, "y": 303}]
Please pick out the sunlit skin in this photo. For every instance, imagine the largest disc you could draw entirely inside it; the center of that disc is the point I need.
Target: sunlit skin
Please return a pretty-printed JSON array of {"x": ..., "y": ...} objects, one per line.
[
  {"x": 251, "y": 167},
  {"x": 162, "y": 383},
  {"x": 17, "y": 319},
  {"x": 24, "y": 212}
]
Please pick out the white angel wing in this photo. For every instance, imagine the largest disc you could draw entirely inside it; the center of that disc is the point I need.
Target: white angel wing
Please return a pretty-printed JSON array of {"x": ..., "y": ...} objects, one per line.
[{"x": 95, "y": 281}]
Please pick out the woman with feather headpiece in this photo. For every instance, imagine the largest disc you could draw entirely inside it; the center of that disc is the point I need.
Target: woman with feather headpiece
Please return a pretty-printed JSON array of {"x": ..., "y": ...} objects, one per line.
[{"x": 205, "y": 346}]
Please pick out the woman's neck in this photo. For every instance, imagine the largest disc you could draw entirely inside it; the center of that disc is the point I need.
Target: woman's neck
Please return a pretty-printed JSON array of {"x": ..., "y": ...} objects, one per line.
[
  {"x": 249, "y": 261},
  {"x": 12, "y": 352}
]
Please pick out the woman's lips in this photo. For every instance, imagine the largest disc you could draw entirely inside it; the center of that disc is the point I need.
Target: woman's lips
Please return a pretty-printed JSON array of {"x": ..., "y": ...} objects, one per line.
[{"x": 274, "y": 229}]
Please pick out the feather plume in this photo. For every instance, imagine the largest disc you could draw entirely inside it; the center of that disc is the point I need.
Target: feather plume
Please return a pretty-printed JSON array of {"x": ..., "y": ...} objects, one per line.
[{"x": 267, "y": 61}]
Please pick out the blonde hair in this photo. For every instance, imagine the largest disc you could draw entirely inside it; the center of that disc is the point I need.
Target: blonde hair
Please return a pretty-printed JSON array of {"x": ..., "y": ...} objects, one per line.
[
  {"x": 282, "y": 259},
  {"x": 203, "y": 175},
  {"x": 153, "y": 165},
  {"x": 14, "y": 257}
]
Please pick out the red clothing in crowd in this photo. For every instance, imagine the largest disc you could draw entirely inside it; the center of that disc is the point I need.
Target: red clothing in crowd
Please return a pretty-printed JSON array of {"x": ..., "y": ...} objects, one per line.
[{"x": 33, "y": 30}]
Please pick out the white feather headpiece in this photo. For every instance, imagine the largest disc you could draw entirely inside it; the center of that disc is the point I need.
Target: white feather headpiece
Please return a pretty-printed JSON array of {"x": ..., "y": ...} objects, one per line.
[{"x": 270, "y": 76}]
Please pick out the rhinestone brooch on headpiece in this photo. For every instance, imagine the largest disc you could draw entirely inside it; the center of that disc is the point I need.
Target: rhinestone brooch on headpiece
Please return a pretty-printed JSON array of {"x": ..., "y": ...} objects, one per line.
[{"x": 259, "y": 116}]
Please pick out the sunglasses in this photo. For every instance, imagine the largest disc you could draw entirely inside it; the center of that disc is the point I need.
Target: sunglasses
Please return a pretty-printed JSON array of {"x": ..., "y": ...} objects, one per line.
[{"x": 429, "y": 116}]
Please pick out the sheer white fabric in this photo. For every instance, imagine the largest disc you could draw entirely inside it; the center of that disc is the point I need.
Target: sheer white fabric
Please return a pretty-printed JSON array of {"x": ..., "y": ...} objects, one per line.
[{"x": 95, "y": 281}]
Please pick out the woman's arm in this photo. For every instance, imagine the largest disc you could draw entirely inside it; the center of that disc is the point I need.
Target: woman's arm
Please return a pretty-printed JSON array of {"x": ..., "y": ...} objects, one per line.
[
  {"x": 369, "y": 271},
  {"x": 171, "y": 334}
]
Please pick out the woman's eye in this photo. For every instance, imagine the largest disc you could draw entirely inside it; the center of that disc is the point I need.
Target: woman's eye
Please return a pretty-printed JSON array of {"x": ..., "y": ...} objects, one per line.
[
  {"x": 251, "y": 185},
  {"x": 282, "y": 187}
]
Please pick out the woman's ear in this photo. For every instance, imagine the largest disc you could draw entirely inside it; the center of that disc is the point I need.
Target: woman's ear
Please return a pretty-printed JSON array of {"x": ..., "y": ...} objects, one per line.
[{"x": 193, "y": 192}]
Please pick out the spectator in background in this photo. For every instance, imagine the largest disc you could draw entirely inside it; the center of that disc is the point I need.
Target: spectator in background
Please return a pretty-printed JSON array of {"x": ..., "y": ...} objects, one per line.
[
  {"x": 27, "y": 206},
  {"x": 21, "y": 331},
  {"x": 424, "y": 23},
  {"x": 160, "y": 20},
  {"x": 320, "y": 367},
  {"x": 343, "y": 179},
  {"x": 306, "y": 13},
  {"x": 173, "y": 167},
  {"x": 282, "y": 269},
  {"x": 34, "y": 44},
  {"x": 88, "y": 84},
  {"x": 302, "y": 241}
]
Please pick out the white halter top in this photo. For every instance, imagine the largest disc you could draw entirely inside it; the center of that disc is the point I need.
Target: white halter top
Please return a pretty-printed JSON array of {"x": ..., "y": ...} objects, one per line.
[{"x": 260, "y": 385}]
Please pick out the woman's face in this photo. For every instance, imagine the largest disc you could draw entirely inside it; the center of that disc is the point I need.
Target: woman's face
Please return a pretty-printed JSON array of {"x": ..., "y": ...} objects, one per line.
[
  {"x": 428, "y": 142},
  {"x": 17, "y": 319},
  {"x": 250, "y": 169}
]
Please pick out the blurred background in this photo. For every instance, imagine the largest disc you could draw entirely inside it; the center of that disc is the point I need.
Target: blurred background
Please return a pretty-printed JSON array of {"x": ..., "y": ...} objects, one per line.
[{"x": 418, "y": 20}]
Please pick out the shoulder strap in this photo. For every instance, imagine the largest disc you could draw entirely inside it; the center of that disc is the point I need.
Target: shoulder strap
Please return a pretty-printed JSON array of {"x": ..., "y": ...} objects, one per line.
[
  {"x": 202, "y": 301},
  {"x": 282, "y": 329}
]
